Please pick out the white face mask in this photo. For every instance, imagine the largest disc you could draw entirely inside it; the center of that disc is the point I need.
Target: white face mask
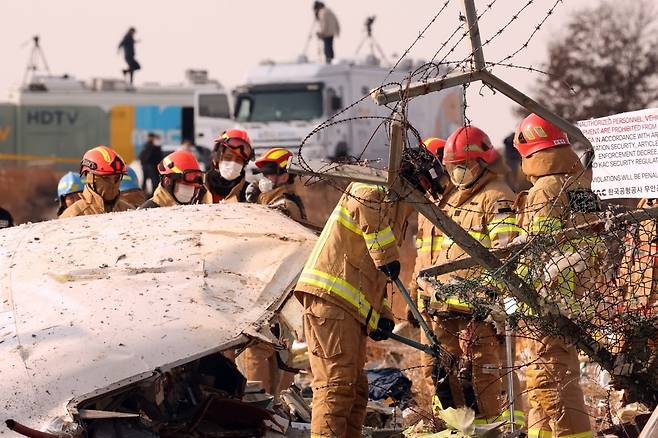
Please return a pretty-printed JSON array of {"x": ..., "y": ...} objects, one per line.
[
  {"x": 184, "y": 193},
  {"x": 463, "y": 175},
  {"x": 230, "y": 170},
  {"x": 265, "y": 185}
]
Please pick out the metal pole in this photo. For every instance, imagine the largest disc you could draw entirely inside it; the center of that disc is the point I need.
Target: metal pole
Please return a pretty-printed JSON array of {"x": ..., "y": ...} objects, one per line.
[
  {"x": 510, "y": 375},
  {"x": 410, "y": 342},
  {"x": 420, "y": 88},
  {"x": 416, "y": 312},
  {"x": 474, "y": 33},
  {"x": 573, "y": 131}
]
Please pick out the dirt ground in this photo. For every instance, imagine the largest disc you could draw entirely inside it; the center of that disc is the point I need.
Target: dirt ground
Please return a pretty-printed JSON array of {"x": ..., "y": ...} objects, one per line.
[{"x": 29, "y": 193}]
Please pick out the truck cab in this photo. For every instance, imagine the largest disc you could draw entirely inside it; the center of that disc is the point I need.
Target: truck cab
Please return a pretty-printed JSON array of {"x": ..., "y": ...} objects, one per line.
[
  {"x": 212, "y": 115},
  {"x": 281, "y": 105}
]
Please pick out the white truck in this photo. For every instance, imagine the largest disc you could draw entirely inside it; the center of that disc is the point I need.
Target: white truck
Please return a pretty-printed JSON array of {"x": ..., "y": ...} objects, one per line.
[
  {"x": 59, "y": 117},
  {"x": 280, "y": 104}
]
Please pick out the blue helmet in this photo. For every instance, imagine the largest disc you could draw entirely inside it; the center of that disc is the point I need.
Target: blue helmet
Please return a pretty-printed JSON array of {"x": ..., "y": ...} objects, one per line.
[
  {"x": 130, "y": 181},
  {"x": 70, "y": 183}
]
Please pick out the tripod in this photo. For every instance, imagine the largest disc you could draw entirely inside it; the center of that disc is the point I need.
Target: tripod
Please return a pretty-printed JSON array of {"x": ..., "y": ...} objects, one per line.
[
  {"x": 374, "y": 45},
  {"x": 36, "y": 56}
]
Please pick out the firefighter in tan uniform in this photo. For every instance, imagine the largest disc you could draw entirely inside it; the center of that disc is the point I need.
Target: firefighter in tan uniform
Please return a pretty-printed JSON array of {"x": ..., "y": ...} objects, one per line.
[
  {"x": 638, "y": 276},
  {"x": 275, "y": 189},
  {"x": 131, "y": 190},
  {"x": 343, "y": 291},
  {"x": 181, "y": 180},
  {"x": 226, "y": 182},
  {"x": 101, "y": 170},
  {"x": 481, "y": 203},
  {"x": 560, "y": 197}
]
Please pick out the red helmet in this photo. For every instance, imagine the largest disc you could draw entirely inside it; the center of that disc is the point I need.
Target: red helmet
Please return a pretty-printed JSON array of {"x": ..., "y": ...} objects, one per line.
[
  {"x": 435, "y": 146},
  {"x": 469, "y": 143},
  {"x": 235, "y": 139},
  {"x": 535, "y": 134},
  {"x": 183, "y": 166},
  {"x": 275, "y": 159},
  {"x": 102, "y": 160}
]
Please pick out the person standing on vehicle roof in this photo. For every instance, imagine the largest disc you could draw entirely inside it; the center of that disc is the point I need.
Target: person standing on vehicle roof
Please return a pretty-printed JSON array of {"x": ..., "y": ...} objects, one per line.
[
  {"x": 68, "y": 190},
  {"x": 560, "y": 198},
  {"x": 481, "y": 203},
  {"x": 277, "y": 188},
  {"x": 328, "y": 28},
  {"x": 131, "y": 192},
  {"x": 343, "y": 290},
  {"x": 181, "y": 180},
  {"x": 226, "y": 182},
  {"x": 128, "y": 46},
  {"x": 101, "y": 169}
]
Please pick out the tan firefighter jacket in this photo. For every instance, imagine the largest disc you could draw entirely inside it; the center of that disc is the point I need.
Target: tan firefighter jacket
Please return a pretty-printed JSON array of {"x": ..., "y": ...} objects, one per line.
[
  {"x": 485, "y": 211},
  {"x": 133, "y": 197},
  {"x": 638, "y": 275},
  {"x": 286, "y": 199},
  {"x": 428, "y": 245},
  {"x": 91, "y": 202},
  {"x": 235, "y": 195},
  {"x": 161, "y": 198},
  {"x": 561, "y": 198},
  {"x": 363, "y": 233}
]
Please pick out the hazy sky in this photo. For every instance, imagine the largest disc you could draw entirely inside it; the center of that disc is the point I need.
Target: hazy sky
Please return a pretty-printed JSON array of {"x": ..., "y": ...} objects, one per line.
[{"x": 80, "y": 37}]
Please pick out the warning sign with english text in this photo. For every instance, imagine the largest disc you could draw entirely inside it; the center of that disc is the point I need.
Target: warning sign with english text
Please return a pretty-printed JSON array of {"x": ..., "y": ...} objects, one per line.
[{"x": 625, "y": 154}]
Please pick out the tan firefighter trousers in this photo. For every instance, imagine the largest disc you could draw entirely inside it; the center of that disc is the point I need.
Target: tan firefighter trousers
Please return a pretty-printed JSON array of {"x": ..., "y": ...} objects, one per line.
[
  {"x": 557, "y": 407},
  {"x": 337, "y": 353}
]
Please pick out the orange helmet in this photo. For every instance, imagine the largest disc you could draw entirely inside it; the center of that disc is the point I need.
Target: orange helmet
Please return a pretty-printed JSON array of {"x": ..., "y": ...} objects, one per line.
[
  {"x": 469, "y": 143},
  {"x": 235, "y": 139},
  {"x": 535, "y": 134},
  {"x": 182, "y": 166},
  {"x": 435, "y": 146},
  {"x": 274, "y": 160},
  {"x": 102, "y": 160}
]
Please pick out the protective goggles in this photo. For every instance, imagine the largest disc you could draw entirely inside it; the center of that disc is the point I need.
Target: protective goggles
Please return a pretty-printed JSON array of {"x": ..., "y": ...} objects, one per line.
[
  {"x": 270, "y": 168},
  {"x": 189, "y": 177},
  {"x": 238, "y": 145}
]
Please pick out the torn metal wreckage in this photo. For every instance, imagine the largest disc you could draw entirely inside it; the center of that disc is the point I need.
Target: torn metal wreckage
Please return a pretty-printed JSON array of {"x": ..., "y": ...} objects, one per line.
[{"x": 115, "y": 325}]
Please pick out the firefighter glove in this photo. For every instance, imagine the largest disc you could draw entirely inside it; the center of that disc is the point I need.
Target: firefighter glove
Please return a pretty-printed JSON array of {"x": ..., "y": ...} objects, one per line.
[
  {"x": 384, "y": 325},
  {"x": 252, "y": 193},
  {"x": 392, "y": 270}
]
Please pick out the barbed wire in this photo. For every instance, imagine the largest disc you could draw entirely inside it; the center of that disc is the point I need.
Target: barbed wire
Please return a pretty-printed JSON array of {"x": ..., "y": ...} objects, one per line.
[
  {"x": 608, "y": 299},
  {"x": 536, "y": 29}
]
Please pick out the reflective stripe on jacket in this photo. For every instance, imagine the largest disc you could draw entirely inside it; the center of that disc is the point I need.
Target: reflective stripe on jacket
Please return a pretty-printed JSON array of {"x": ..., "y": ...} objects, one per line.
[{"x": 359, "y": 237}]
